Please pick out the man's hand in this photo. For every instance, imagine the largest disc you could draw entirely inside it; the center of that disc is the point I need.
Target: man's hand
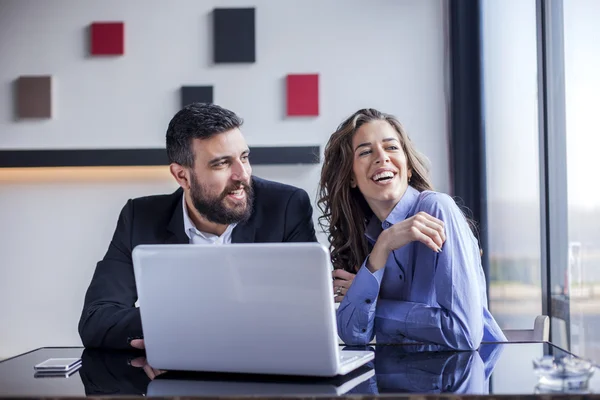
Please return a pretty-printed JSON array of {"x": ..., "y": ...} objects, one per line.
[
  {"x": 341, "y": 283},
  {"x": 141, "y": 362},
  {"x": 138, "y": 344}
]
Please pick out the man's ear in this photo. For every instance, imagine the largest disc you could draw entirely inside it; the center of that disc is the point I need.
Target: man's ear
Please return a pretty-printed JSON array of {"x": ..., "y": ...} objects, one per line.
[{"x": 181, "y": 175}]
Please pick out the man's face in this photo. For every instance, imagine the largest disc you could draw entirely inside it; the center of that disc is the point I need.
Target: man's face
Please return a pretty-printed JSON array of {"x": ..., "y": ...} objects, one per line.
[{"x": 220, "y": 183}]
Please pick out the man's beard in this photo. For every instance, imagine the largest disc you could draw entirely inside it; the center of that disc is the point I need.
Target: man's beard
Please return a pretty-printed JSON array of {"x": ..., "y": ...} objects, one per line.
[{"x": 214, "y": 208}]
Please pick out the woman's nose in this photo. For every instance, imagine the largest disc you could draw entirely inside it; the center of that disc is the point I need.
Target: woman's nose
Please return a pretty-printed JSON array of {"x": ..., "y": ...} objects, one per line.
[{"x": 381, "y": 157}]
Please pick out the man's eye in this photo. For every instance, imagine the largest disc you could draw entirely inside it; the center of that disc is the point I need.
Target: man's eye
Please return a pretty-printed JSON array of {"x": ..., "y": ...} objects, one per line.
[{"x": 245, "y": 158}]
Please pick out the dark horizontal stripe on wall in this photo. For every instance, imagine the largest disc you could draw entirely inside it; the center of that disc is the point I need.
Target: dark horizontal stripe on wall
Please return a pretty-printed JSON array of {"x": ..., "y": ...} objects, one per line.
[{"x": 142, "y": 157}]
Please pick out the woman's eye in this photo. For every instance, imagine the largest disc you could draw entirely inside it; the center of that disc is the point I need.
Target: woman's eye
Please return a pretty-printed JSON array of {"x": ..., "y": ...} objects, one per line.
[{"x": 363, "y": 153}]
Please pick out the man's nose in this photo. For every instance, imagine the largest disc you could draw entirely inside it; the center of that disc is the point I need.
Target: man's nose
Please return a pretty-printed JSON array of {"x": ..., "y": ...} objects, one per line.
[{"x": 240, "y": 173}]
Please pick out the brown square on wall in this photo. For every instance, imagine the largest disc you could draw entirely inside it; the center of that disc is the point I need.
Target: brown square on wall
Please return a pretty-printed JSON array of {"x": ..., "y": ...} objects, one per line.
[{"x": 34, "y": 97}]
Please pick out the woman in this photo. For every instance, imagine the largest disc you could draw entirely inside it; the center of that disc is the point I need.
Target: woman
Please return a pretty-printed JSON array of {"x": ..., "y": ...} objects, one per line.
[{"x": 417, "y": 263}]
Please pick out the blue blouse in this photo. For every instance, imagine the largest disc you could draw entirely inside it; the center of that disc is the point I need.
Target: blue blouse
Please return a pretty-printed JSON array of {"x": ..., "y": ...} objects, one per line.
[{"x": 422, "y": 295}]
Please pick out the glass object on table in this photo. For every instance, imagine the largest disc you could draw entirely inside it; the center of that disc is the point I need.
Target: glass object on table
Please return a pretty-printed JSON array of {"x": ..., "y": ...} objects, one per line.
[{"x": 563, "y": 374}]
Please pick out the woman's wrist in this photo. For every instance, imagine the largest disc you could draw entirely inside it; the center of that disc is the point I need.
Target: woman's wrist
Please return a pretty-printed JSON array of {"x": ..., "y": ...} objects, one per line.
[{"x": 379, "y": 255}]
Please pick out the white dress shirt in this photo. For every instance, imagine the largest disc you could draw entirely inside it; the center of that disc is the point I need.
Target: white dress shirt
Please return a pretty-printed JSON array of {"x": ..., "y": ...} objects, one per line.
[{"x": 199, "y": 237}]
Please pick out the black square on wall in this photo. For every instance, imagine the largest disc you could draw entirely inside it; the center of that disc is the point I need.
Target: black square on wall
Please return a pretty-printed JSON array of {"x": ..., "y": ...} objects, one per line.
[
  {"x": 193, "y": 94},
  {"x": 234, "y": 35}
]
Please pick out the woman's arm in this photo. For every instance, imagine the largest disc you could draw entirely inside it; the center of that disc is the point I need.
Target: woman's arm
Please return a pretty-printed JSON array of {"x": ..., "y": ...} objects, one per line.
[
  {"x": 454, "y": 317},
  {"x": 356, "y": 314}
]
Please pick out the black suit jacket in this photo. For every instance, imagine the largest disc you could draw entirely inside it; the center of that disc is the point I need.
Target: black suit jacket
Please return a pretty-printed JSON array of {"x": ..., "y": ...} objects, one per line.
[{"x": 281, "y": 213}]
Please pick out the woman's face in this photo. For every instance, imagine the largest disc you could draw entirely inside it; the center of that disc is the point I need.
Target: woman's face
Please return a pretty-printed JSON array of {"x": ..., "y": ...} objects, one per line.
[{"x": 379, "y": 169}]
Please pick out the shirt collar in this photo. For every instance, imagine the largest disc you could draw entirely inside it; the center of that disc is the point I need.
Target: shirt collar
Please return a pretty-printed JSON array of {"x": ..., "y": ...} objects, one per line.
[
  {"x": 398, "y": 213},
  {"x": 189, "y": 227}
]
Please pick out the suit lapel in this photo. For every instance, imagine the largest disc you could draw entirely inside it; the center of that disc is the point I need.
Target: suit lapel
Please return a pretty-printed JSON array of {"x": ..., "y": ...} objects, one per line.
[
  {"x": 243, "y": 232},
  {"x": 176, "y": 233}
]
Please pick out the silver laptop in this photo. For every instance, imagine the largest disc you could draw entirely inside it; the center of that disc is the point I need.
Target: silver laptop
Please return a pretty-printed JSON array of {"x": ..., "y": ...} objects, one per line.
[{"x": 246, "y": 308}]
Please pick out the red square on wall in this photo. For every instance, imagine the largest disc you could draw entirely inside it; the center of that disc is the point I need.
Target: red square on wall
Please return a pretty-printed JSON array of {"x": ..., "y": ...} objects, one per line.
[
  {"x": 303, "y": 94},
  {"x": 107, "y": 38}
]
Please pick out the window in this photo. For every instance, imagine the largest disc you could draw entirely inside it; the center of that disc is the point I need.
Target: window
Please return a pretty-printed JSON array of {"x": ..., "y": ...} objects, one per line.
[
  {"x": 582, "y": 90},
  {"x": 513, "y": 191}
]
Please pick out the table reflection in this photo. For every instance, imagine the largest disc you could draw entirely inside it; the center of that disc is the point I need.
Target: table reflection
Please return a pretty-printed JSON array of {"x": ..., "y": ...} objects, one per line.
[
  {"x": 107, "y": 373},
  {"x": 431, "y": 369},
  {"x": 395, "y": 369}
]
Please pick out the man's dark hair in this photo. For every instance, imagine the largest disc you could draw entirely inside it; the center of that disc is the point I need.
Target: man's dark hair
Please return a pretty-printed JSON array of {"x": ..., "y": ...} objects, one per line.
[{"x": 196, "y": 121}]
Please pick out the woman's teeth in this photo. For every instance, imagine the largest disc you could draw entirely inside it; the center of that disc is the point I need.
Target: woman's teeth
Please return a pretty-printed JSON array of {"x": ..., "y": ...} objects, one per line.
[{"x": 383, "y": 175}]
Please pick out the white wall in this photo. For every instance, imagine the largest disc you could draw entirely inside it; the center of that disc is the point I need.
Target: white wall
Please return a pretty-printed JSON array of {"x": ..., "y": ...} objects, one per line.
[{"x": 387, "y": 54}]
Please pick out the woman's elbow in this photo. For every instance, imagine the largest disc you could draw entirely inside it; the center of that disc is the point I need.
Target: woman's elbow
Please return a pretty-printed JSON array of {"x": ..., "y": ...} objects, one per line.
[
  {"x": 469, "y": 342},
  {"x": 468, "y": 338}
]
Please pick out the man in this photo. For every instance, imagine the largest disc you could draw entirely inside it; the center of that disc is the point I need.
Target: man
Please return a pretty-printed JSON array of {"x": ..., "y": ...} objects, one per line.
[{"x": 219, "y": 201}]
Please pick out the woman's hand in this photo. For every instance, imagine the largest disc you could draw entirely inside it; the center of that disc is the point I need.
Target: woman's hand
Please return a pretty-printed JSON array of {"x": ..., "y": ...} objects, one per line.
[
  {"x": 341, "y": 283},
  {"x": 421, "y": 227}
]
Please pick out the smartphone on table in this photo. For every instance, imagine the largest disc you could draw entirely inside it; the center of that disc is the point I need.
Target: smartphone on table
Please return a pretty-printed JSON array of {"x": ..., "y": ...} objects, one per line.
[{"x": 60, "y": 367}]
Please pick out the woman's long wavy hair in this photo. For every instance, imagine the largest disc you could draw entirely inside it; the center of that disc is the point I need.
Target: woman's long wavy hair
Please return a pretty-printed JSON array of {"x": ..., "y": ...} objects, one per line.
[{"x": 345, "y": 212}]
